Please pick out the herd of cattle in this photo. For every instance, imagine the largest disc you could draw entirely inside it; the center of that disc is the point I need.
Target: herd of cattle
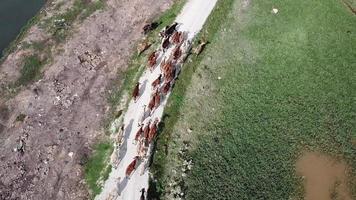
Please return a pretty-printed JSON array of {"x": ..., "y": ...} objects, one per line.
[{"x": 170, "y": 63}]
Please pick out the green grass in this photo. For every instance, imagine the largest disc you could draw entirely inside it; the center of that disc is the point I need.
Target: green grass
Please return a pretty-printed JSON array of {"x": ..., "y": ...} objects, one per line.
[
  {"x": 97, "y": 168},
  {"x": 287, "y": 85},
  {"x": 30, "y": 70}
]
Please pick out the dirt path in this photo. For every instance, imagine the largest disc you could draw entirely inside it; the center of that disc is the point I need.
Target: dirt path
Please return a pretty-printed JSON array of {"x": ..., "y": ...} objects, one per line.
[
  {"x": 64, "y": 110},
  {"x": 191, "y": 19}
]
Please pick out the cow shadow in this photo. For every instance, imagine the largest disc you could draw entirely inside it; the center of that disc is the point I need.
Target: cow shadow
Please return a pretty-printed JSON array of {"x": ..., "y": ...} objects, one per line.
[
  {"x": 123, "y": 147},
  {"x": 143, "y": 88},
  {"x": 121, "y": 185}
]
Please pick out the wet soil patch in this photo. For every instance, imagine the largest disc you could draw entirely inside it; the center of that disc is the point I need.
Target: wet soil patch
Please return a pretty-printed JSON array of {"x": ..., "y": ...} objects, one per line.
[{"x": 323, "y": 177}]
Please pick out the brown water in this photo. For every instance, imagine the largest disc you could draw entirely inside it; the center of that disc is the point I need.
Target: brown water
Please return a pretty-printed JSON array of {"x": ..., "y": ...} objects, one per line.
[{"x": 324, "y": 177}]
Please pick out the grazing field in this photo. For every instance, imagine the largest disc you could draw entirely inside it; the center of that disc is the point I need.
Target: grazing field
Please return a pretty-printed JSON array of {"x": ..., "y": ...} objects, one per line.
[{"x": 268, "y": 88}]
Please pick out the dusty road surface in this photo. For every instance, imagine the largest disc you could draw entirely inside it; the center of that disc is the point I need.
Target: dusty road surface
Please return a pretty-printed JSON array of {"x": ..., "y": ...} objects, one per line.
[
  {"x": 191, "y": 20},
  {"x": 63, "y": 111}
]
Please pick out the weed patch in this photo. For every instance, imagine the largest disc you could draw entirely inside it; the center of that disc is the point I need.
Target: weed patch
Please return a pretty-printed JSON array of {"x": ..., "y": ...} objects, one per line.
[{"x": 30, "y": 70}]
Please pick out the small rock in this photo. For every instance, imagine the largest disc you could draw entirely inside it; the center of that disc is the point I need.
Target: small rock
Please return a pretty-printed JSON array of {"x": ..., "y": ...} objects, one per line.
[
  {"x": 70, "y": 154},
  {"x": 274, "y": 10},
  {"x": 219, "y": 77}
]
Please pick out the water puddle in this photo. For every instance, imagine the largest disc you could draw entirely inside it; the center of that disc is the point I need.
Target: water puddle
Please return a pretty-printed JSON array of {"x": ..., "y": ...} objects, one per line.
[{"x": 324, "y": 177}]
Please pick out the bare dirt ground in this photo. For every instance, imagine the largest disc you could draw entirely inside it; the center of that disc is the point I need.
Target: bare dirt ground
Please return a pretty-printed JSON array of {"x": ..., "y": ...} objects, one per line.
[
  {"x": 64, "y": 110},
  {"x": 325, "y": 178}
]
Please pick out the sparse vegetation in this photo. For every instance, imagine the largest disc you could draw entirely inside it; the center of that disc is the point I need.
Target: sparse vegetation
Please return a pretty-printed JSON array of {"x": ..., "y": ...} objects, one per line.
[
  {"x": 96, "y": 168},
  {"x": 30, "y": 70},
  {"x": 58, "y": 25},
  {"x": 268, "y": 86}
]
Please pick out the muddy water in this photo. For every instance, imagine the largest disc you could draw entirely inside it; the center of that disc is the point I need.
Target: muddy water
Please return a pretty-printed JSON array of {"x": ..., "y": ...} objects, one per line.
[
  {"x": 324, "y": 177},
  {"x": 14, "y": 14}
]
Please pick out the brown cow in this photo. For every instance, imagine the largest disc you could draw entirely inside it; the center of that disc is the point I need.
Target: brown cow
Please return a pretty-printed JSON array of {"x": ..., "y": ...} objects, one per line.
[
  {"x": 170, "y": 74},
  {"x": 136, "y": 91},
  {"x": 152, "y": 60},
  {"x": 157, "y": 82},
  {"x": 166, "y": 87},
  {"x": 171, "y": 29},
  {"x": 177, "y": 38},
  {"x": 177, "y": 53},
  {"x": 153, "y": 130},
  {"x": 163, "y": 63},
  {"x": 157, "y": 98},
  {"x": 151, "y": 105},
  {"x": 146, "y": 130},
  {"x": 131, "y": 167},
  {"x": 167, "y": 68},
  {"x": 165, "y": 43},
  {"x": 139, "y": 133}
]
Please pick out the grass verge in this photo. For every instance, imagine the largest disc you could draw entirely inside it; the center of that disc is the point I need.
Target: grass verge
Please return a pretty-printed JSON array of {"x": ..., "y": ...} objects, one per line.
[{"x": 97, "y": 168}]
